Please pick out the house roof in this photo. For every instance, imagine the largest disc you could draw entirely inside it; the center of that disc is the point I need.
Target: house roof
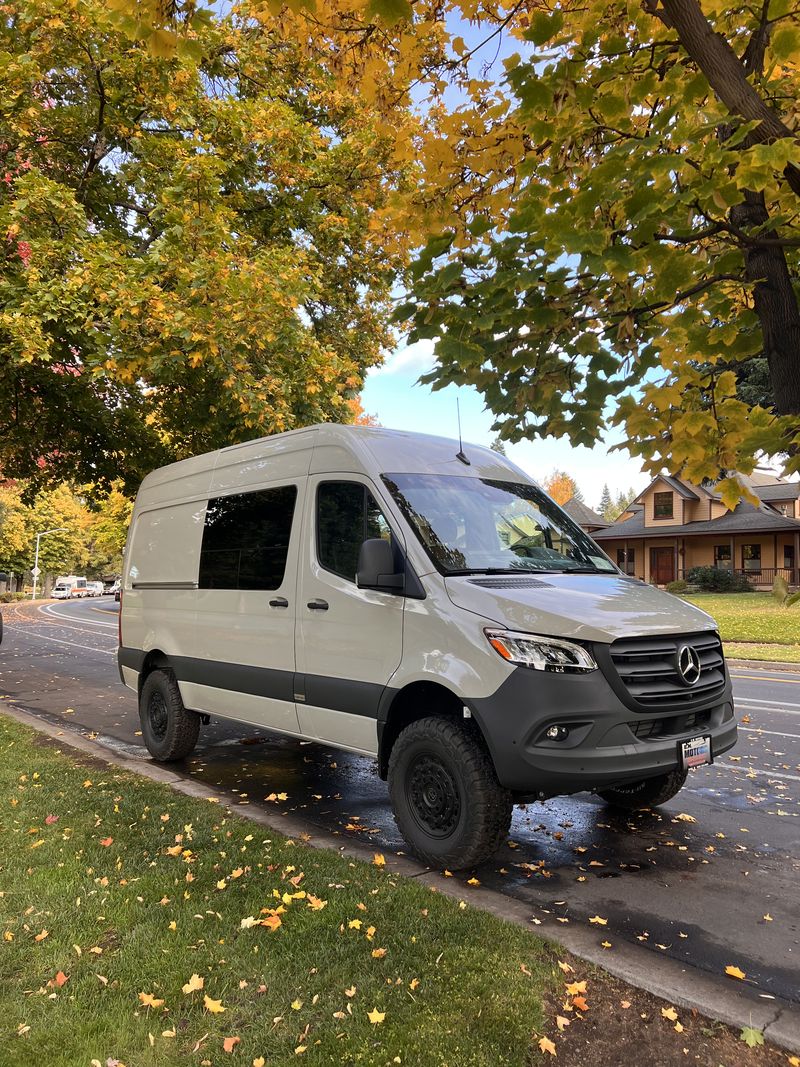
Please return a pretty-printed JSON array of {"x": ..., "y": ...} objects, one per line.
[
  {"x": 583, "y": 515},
  {"x": 743, "y": 519},
  {"x": 781, "y": 491},
  {"x": 674, "y": 483}
]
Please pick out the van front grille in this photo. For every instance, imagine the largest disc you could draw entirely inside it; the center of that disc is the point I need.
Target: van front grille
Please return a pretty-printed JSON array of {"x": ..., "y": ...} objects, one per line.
[
  {"x": 648, "y": 668},
  {"x": 674, "y": 726}
]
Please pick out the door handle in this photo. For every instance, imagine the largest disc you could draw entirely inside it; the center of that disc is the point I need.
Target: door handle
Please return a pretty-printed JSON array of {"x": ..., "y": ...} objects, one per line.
[
  {"x": 318, "y": 605},
  {"x": 279, "y": 602}
]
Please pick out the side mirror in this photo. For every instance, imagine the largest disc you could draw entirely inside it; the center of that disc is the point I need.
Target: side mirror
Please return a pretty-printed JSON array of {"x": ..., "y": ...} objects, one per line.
[{"x": 376, "y": 567}]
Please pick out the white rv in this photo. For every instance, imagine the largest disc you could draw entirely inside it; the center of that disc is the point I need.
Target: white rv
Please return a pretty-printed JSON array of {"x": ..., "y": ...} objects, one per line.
[
  {"x": 70, "y": 586},
  {"x": 393, "y": 595}
]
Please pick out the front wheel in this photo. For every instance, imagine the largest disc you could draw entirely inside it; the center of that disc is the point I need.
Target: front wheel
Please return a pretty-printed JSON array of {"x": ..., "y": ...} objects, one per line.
[
  {"x": 648, "y": 793},
  {"x": 447, "y": 801},
  {"x": 169, "y": 730}
]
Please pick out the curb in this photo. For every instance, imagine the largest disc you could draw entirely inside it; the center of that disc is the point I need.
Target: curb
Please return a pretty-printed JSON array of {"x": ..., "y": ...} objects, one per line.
[
  {"x": 763, "y": 664},
  {"x": 683, "y": 987}
]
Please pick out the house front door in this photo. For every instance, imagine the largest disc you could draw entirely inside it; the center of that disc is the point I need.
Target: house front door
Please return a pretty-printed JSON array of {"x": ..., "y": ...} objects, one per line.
[{"x": 662, "y": 565}]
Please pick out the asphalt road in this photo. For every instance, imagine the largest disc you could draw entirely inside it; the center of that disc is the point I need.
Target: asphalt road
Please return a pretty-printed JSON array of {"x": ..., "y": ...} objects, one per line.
[{"x": 711, "y": 880}]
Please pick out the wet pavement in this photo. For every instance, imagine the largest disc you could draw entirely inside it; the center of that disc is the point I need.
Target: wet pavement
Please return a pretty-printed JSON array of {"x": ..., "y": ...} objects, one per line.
[{"x": 709, "y": 880}]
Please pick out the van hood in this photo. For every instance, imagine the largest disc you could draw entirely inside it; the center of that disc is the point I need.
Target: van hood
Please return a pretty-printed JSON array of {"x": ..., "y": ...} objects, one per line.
[{"x": 588, "y": 607}]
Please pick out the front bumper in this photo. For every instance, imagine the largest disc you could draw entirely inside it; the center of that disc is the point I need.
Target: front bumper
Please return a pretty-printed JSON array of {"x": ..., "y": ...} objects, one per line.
[{"x": 608, "y": 743}]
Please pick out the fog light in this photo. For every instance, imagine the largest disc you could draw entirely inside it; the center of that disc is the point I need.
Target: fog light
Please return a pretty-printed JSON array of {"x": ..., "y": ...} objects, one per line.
[{"x": 556, "y": 733}]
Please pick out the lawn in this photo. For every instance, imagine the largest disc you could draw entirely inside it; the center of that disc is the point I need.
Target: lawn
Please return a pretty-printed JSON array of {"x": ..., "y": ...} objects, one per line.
[
  {"x": 753, "y": 625},
  {"x": 115, "y": 892}
]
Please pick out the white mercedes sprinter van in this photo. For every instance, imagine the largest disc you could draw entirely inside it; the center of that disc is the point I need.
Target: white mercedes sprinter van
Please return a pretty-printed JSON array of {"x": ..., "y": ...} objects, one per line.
[{"x": 389, "y": 594}]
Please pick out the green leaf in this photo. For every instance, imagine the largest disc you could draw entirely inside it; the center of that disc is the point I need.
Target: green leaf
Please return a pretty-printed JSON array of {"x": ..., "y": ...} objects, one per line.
[
  {"x": 751, "y": 1036},
  {"x": 544, "y": 27},
  {"x": 390, "y": 12},
  {"x": 785, "y": 43}
]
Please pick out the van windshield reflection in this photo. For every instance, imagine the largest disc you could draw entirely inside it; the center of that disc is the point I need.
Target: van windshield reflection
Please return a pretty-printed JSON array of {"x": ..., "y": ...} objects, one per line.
[{"x": 483, "y": 526}]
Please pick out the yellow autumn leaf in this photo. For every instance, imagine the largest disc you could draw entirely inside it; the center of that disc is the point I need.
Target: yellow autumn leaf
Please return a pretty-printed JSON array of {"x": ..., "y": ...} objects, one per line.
[
  {"x": 296, "y": 1005},
  {"x": 473, "y": 881},
  {"x": 562, "y": 1022},
  {"x": 574, "y": 988},
  {"x": 379, "y": 860},
  {"x": 546, "y": 1045},
  {"x": 376, "y": 1016},
  {"x": 669, "y": 1013},
  {"x": 259, "y": 1061},
  {"x": 734, "y": 972},
  {"x": 683, "y": 817},
  {"x": 150, "y": 1001},
  {"x": 598, "y": 921},
  {"x": 195, "y": 982},
  {"x": 214, "y": 1006}
]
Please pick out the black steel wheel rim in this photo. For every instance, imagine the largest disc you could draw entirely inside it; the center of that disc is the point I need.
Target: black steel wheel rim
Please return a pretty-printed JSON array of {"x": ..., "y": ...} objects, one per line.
[
  {"x": 433, "y": 796},
  {"x": 157, "y": 715}
]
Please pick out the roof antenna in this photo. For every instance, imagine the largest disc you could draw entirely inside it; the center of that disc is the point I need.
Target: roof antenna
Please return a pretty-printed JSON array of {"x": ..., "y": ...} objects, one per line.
[{"x": 460, "y": 454}]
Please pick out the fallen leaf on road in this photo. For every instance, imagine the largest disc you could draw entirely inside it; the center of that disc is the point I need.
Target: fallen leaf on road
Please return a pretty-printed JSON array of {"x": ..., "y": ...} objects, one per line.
[
  {"x": 751, "y": 1036},
  {"x": 669, "y": 1013},
  {"x": 683, "y": 817},
  {"x": 574, "y": 988},
  {"x": 598, "y": 921},
  {"x": 580, "y": 1003},
  {"x": 561, "y": 1022},
  {"x": 734, "y": 972},
  {"x": 378, "y": 860},
  {"x": 546, "y": 1045}
]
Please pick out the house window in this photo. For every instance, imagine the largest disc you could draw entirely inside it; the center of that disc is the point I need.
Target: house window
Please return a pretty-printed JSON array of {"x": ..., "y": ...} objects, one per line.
[
  {"x": 788, "y": 557},
  {"x": 630, "y": 566},
  {"x": 751, "y": 559},
  {"x": 722, "y": 557},
  {"x": 662, "y": 505}
]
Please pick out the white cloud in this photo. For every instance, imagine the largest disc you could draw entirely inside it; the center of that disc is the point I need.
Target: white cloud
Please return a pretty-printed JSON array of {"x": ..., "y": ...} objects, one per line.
[{"x": 417, "y": 358}]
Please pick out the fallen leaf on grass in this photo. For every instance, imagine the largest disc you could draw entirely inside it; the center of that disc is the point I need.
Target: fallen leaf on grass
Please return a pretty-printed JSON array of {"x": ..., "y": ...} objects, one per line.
[
  {"x": 214, "y": 1006},
  {"x": 379, "y": 953},
  {"x": 50, "y": 820},
  {"x": 106, "y": 841},
  {"x": 230, "y": 1043},
  {"x": 735, "y": 972},
  {"x": 376, "y": 1016},
  {"x": 272, "y": 922},
  {"x": 150, "y": 1001},
  {"x": 565, "y": 967},
  {"x": 378, "y": 860},
  {"x": 42, "y": 935},
  {"x": 195, "y": 982},
  {"x": 351, "y": 992},
  {"x": 546, "y": 1045},
  {"x": 259, "y": 1061}
]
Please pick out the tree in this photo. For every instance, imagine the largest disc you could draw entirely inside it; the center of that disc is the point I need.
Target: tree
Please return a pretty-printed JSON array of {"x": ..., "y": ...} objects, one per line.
[
  {"x": 651, "y": 241},
  {"x": 107, "y": 530},
  {"x": 606, "y": 504},
  {"x": 194, "y": 247},
  {"x": 497, "y": 445},
  {"x": 562, "y": 487}
]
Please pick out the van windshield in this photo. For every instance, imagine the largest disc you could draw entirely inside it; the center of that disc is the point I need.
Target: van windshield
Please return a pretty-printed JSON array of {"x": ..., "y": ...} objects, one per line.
[{"x": 483, "y": 526}]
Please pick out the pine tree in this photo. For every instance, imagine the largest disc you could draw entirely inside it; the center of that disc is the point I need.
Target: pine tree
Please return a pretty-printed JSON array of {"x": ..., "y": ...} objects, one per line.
[
  {"x": 606, "y": 504},
  {"x": 498, "y": 446}
]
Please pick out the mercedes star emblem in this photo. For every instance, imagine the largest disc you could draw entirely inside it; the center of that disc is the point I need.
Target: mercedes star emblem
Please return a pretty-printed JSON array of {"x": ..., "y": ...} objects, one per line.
[{"x": 688, "y": 664}]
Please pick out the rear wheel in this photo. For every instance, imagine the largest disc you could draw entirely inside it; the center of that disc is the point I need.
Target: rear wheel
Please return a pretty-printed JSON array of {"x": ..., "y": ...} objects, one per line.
[
  {"x": 648, "y": 793},
  {"x": 170, "y": 730},
  {"x": 447, "y": 801}
]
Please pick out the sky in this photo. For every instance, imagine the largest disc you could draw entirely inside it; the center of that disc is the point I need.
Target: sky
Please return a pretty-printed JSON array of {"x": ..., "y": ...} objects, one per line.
[{"x": 392, "y": 394}]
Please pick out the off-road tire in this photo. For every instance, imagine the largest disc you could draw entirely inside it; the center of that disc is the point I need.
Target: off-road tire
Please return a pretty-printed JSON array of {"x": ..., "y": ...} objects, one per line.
[
  {"x": 648, "y": 793},
  {"x": 476, "y": 809},
  {"x": 170, "y": 731}
]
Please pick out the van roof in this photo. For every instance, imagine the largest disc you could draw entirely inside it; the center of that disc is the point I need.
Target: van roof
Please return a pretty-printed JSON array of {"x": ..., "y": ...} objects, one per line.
[{"x": 337, "y": 447}]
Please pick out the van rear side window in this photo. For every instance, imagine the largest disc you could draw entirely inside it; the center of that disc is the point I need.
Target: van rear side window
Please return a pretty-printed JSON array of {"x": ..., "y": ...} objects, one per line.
[{"x": 246, "y": 539}]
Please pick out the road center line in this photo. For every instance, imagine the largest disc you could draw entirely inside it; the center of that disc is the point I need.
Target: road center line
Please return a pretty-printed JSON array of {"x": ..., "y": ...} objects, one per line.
[
  {"x": 47, "y": 609},
  {"x": 73, "y": 644},
  {"x": 750, "y": 771},
  {"x": 770, "y": 733},
  {"x": 765, "y": 678}
]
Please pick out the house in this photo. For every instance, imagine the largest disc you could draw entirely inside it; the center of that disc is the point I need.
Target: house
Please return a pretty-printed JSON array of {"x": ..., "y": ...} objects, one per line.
[
  {"x": 584, "y": 516},
  {"x": 674, "y": 526}
]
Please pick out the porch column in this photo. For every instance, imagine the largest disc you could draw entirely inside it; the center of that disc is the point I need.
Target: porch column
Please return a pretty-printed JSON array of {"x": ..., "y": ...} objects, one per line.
[
  {"x": 625, "y": 556},
  {"x": 796, "y": 575},
  {"x": 775, "y": 555},
  {"x": 677, "y": 559},
  {"x": 733, "y": 554}
]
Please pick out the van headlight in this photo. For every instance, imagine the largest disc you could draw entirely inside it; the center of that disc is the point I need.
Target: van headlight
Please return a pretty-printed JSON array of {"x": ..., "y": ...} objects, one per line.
[{"x": 541, "y": 653}]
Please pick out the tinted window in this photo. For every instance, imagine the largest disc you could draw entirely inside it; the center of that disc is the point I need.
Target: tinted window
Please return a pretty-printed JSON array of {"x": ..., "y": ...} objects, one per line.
[
  {"x": 347, "y": 514},
  {"x": 246, "y": 539}
]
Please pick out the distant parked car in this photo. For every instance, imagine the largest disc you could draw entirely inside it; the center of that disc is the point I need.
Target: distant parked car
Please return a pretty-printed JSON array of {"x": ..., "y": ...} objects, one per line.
[{"x": 94, "y": 589}]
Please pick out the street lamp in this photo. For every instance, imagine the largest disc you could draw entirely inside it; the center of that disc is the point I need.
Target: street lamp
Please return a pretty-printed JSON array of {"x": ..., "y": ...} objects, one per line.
[{"x": 36, "y": 572}]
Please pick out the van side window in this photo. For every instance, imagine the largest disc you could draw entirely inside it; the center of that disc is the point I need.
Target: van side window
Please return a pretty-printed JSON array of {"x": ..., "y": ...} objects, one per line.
[
  {"x": 347, "y": 514},
  {"x": 246, "y": 539}
]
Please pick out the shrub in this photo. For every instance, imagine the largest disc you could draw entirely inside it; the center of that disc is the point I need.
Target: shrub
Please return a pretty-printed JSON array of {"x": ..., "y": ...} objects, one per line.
[
  {"x": 677, "y": 587},
  {"x": 716, "y": 580},
  {"x": 780, "y": 589},
  {"x": 10, "y": 598}
]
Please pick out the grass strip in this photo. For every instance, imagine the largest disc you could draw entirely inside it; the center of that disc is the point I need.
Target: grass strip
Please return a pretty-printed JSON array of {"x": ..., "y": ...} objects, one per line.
[{"x": 116, "y": 891}]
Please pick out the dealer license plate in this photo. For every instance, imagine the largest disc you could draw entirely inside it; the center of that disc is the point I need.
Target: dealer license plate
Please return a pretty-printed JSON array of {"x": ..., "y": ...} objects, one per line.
[{"x": 696, "y": 752}]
